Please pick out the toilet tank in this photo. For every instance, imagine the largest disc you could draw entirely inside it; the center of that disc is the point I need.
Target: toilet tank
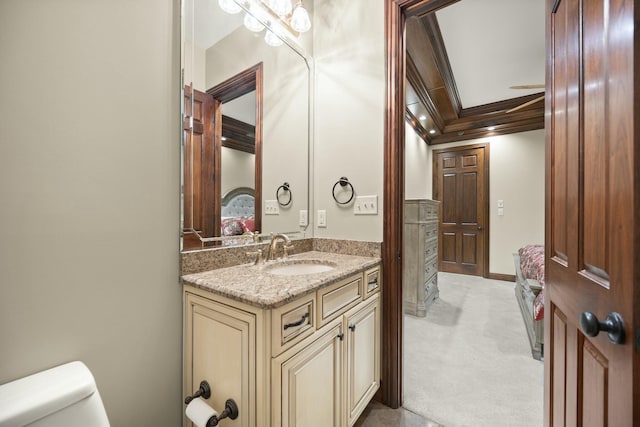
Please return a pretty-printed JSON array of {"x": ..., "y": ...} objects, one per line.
[{"x": 64, "y": 396}]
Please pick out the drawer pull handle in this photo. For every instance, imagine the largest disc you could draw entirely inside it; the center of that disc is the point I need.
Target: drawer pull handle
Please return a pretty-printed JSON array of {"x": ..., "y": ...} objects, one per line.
[
  {"x": 372, "y": 283},
  {"x": 352, "y": 327},
  {"x": 298, "y": 323}
]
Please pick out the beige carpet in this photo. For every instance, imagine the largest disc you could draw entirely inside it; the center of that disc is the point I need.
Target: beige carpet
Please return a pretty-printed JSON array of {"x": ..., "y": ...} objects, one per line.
[{"x": 468, "y": 362}]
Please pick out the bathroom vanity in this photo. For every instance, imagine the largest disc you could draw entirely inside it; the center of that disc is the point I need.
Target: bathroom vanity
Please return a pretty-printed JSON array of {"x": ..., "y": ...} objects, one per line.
[{"x": 293, "y": 342}]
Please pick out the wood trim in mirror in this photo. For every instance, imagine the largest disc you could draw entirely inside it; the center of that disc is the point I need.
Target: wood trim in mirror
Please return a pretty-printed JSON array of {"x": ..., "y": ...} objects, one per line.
[{"x": 238, "y": 85}]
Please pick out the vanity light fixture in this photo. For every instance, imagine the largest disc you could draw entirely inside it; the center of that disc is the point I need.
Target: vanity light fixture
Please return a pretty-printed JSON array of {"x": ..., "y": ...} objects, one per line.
[
  {"x": 280, "y": 17},
  {"x": 271, "y": 39},
  {"x": 229, "y": 6},
  {"x": 252, "y": 24}
]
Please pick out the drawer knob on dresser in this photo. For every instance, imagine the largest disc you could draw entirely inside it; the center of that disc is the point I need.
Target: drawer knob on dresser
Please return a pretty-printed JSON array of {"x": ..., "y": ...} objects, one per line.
[
  {"x": 352, "y": 327},
  {"x": 479, "y": 228}
]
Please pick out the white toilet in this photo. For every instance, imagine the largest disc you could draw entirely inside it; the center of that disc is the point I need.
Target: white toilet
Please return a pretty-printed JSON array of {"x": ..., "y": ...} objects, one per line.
[{"x": 65, "y": 396}]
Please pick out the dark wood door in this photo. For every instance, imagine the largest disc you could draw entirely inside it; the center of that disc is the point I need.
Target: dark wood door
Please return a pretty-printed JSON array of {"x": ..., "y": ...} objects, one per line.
[
  {"x": 199, "y": 196},
  {"x": 460, "y": 185},
  {"x": 592, "y": 212}
]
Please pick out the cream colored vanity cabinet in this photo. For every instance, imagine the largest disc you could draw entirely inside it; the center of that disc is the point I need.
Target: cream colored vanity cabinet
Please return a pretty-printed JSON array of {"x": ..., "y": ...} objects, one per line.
[
  {"x": 225, "y": 345},
  {"x": 312, "y": 361},
  {"x": 329, "y": 378},
  {"x": 308, "y": 381},
  {"x": 362, "y": 356}
]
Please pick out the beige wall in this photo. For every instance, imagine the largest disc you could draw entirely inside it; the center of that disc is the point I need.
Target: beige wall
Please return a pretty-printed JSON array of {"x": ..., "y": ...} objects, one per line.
[
  {"x": 89, "y": 178},
  {"x": 417, "y": 166},
  {"x": 349, "y": 56},
  {"x": 239, "y": 170},
  {"x": 516, "y": 177}
]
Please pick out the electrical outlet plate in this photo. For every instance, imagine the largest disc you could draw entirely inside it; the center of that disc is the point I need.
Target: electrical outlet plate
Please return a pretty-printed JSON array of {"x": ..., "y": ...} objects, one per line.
[
  {"x": 322, "y": 218},
  {"x": 271, "y": 207},
  {"x": 366, "y": 205},
  {"x": 302, "y": 221}
]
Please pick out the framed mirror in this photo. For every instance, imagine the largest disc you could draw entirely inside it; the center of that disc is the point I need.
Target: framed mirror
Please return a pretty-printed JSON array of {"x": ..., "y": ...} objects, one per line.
[{"x": 246, "y": 129}]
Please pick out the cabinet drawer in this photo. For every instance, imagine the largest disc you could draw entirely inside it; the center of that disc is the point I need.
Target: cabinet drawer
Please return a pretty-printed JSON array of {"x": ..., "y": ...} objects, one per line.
[
  {"x": 292, "y": 322},
  {"x": 430, "y": 249},
  {"x": 338, "y": 298},
  {"x": 430, "y": 266},
  {"x": 432, "y": 211},
  {"x": 430, "y": 230},
  {"x": 373, "y": 282}
]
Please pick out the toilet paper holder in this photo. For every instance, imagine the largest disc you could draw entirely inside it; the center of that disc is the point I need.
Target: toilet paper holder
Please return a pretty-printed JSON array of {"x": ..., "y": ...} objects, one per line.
[
  {"x": 204, "y": 391},
  {"x": 230, "y": 406}
]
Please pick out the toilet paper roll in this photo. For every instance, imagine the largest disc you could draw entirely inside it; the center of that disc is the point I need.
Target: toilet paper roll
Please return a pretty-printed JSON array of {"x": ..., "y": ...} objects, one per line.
[{"x": 199, "y": 412}]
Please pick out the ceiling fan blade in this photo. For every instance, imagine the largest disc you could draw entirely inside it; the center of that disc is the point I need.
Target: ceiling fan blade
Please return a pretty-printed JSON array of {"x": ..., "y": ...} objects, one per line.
[
  {"x": 527, "y": 87},
  {"x": 526, "y": 104}
]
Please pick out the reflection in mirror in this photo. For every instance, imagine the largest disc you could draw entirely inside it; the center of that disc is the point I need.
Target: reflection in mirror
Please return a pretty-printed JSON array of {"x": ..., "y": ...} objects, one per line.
[{"x": 240, "y": 137}]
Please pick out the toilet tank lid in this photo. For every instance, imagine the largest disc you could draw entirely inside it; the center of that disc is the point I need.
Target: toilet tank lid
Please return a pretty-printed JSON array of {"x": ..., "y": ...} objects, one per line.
[{"x": 28, "y": 399}]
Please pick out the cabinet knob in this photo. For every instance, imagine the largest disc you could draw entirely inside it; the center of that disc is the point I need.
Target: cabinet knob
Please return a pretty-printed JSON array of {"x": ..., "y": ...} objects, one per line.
[
  {"x": 352, "y": 327},
  {"x": 341, "y": 336}
]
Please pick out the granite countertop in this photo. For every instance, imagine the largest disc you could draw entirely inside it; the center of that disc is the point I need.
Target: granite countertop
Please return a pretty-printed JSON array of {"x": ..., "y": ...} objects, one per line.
[{"x": 253, "y": 285}]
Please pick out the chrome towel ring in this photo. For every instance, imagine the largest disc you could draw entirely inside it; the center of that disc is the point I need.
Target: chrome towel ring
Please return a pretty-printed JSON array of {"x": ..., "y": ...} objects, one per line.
[
  {"x": 344, "y": 182},
  {"x": 286, "y": 189}
]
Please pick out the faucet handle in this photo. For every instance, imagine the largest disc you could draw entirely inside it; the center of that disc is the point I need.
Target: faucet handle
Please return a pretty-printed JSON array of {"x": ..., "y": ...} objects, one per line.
[
  {"x": 258, "y": 254},
  {"x": 286, "y": 249}
]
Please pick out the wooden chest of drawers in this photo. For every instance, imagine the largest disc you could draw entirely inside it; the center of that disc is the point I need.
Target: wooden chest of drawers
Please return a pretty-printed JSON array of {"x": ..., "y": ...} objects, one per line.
[{"x": 420, "y": 255}]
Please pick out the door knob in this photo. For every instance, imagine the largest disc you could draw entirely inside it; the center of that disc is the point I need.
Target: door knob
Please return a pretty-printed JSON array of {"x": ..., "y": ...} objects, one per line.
[
  {"x": 479, "y": 228},
  {"x": 612, "y": 324}
]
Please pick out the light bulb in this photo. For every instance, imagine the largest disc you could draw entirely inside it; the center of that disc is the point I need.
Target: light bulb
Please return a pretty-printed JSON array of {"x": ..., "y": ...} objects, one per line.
[
  {"x": 271, "y": 39},
  {"x": 229, "y": 6},
  {"x": 252, "y": 24},
  {"x": 300, "y": 19},
  {"x": 281, "y": 7}
]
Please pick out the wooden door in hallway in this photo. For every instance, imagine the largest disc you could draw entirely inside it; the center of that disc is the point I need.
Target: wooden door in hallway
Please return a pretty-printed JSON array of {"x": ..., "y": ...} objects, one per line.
[
  {"x": 199, "y": 194},
  {"x": 460, "y": 183},
  {"x": 592, "y": 214}
]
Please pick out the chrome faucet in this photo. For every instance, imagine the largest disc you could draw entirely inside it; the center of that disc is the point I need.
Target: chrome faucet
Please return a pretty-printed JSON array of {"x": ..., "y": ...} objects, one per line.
[{"x": 274, "y": 242}]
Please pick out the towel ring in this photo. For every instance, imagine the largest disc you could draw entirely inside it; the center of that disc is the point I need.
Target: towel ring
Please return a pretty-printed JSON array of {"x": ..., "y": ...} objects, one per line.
[
  {"x": 343, "y": 181},
  {"x": 286, "y": 189}
]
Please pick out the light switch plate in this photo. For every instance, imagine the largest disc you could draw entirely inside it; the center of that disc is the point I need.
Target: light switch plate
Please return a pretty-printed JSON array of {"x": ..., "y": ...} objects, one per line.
[
  {"x": 501, "y": 203},
  {"x": 271, "y": 207},
  {"x": 366, "y": 205},
  {"x": 302, "y": 220},
  {"x": 500, "y": 211},
  {"x": 322, "y": 218}
]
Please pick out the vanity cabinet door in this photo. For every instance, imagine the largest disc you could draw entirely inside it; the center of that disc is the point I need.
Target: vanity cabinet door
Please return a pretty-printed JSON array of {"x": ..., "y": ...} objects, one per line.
[
  {"x": 220, "y": 348},
  {"x": 309, "y": 382},
  {"x": 362, "y": 356}
]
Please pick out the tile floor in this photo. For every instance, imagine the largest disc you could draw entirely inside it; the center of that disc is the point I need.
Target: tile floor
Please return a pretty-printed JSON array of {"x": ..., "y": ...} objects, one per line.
[{"x": 378, "y": 415}]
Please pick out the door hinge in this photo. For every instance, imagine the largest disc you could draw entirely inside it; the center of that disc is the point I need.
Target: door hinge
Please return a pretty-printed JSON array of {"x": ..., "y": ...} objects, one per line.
[{"x": 399, "y": 256}]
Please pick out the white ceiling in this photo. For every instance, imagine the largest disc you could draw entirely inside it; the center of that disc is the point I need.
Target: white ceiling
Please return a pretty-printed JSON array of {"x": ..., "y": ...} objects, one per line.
[{"x": 494, "y": 44}]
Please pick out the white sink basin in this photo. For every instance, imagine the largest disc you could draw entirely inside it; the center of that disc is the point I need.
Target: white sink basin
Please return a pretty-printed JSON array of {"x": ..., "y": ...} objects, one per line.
[{"x": 299, "y": 267}]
